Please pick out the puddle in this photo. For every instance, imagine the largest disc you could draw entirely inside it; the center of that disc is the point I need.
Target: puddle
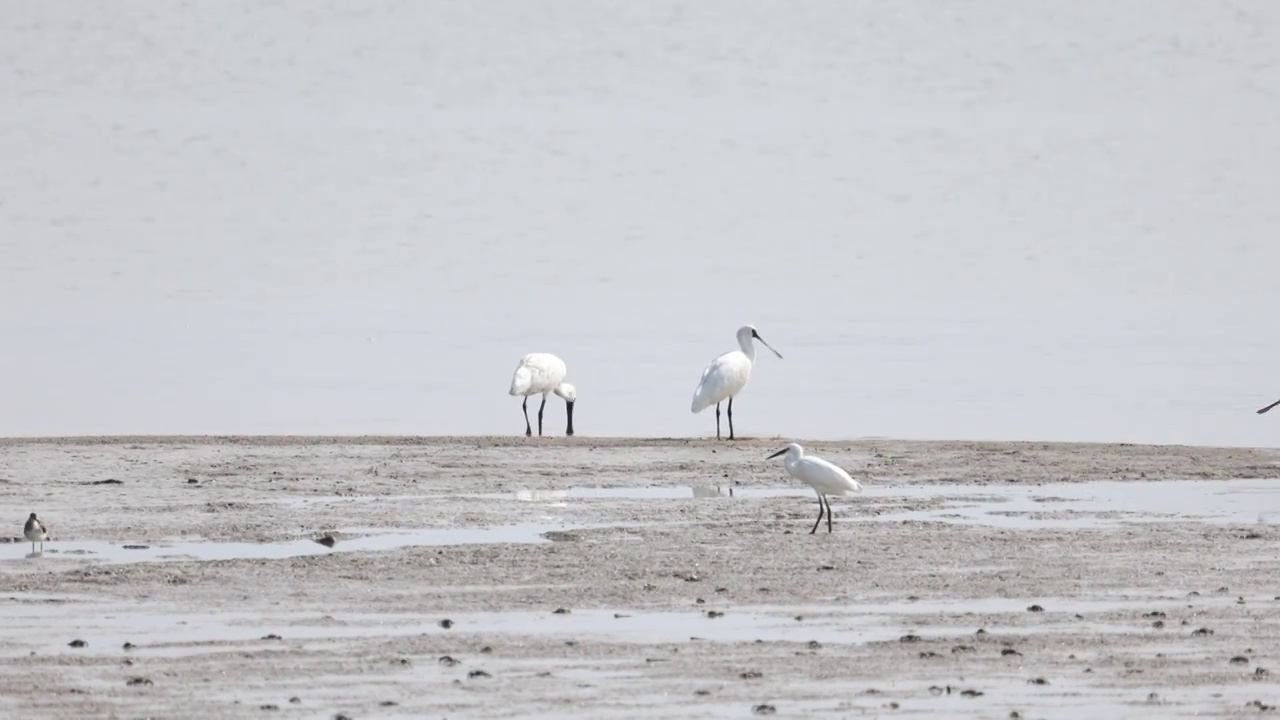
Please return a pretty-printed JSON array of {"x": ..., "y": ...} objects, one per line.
[
  {"x": 179, "y": 634},
  {"x": 1051, "y": 606},
  {"x": 367, "y": 540},
  {"x": 1062, "y": 505},
  {"x": 676, "y": 492}
]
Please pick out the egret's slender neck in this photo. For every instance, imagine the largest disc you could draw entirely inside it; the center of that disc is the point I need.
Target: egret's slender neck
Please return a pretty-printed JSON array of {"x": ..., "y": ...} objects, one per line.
[{"x": 748, "y": 347}]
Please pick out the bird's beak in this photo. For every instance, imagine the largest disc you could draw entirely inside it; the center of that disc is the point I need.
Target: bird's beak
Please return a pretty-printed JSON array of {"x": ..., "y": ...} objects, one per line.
[
  {"x": 783, "y": 451},
  {"x": 762, "y": 342}
]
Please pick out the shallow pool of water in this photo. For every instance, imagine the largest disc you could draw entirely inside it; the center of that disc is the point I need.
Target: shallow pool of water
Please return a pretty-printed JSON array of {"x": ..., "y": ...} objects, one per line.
[
  {"x": 106, "y": 628},
  {"x": 365, "y": 540},
  {"x": 1056, "y": 505}
]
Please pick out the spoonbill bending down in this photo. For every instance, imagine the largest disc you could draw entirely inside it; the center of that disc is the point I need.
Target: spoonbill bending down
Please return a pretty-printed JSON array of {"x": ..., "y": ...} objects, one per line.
[
  {"x": 35, "y": 532},
  {"x": 825, "y": 478},
  {"x": 727, "y": 375},
  {"x": 1263, "y": 410},
  {"x": 543, "y": 374}
]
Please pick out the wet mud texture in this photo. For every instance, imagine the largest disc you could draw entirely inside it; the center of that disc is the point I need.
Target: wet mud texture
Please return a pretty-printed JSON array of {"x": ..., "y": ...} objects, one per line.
[{"x": 495, "y": 577}]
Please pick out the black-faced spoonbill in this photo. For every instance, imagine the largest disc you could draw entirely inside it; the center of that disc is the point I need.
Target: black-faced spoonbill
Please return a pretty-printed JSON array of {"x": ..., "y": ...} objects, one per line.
[
  {"x": 35, "y": 531},
  {"x": 1263, "y": 410},
  {"x": 825, "y": 478},
  {"x": 727, "y": 375},
  {"x": 543, "y": 374}
]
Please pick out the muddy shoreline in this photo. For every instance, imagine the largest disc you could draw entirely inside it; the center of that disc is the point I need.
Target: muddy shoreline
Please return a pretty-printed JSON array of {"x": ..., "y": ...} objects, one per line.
[{"x": 690, "y": 584}]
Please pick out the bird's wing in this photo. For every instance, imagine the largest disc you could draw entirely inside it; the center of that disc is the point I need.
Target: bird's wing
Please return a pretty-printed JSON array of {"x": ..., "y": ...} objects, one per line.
[
  {"x": 522, "y": 379},
  {"x": 720, "y": 379},
  {"x": 711, "y": 366},
  {"x": 834, "y": 479}
]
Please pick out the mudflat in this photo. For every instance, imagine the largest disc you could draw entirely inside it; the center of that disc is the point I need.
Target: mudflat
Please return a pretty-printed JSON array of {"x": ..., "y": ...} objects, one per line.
[{"x": 364, "y": 577}]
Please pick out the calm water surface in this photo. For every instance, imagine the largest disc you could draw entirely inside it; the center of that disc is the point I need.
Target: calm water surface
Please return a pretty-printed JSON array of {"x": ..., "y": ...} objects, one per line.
[{"x": 981, "y": 219}]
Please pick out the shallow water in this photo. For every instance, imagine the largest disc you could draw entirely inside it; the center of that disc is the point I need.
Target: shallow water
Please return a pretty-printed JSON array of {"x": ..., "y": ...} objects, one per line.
[
  {"x": 1064, "y": 505},
  {"x": 360, "y": 226},
  {"x": 173, "y": 634},
  {"x": 1061, "y": 505},
  {"x": 366, "y": 540}
]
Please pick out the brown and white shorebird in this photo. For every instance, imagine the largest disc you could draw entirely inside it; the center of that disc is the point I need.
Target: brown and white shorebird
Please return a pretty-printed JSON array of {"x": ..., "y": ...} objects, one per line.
[{"x": 36, "y": 532}]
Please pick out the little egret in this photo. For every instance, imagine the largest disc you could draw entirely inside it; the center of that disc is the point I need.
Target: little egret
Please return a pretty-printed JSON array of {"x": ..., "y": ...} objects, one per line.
[
  {"x": 1263, "y": 410},
  {"x": 727, "y": 375},
  {"x": 543, "y": 374},
  {"x": 825, "y": 478},
  {"x": 35, "y": 532}
]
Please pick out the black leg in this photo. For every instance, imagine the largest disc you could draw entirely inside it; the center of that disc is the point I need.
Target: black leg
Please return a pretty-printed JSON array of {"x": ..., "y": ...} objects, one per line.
[
  {"x": 828, "y": 515},
  {"x": 568, "y": 409},
  {"x": 540, "y": 408},
  {"x": 528, "y": 430},
  {"x": 717, "y": 421},
  {"x": 730, "y": 418},
  {"x": 819, "y": 520}
]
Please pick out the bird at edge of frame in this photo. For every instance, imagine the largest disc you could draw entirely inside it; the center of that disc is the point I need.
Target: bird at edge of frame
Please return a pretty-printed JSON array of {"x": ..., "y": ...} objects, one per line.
[
  {"x": 824, "y": 477},
  {"x": 35, "y": 532},
  {"x": 543, "y": 374},
  {"x": 727, "y": 375},
  {"x": 1262, "y": 411}
]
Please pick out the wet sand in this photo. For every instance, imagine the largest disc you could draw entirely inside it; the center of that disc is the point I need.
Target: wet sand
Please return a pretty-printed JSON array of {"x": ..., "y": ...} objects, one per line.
[{"x": 505, "y": 577}]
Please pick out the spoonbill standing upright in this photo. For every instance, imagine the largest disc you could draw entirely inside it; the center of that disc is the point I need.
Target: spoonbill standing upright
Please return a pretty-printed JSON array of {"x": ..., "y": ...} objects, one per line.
[
  {"x": 825, "y": 478},
  {"x": 727, "y": 375},
  {"x": 543, "y": 374}
]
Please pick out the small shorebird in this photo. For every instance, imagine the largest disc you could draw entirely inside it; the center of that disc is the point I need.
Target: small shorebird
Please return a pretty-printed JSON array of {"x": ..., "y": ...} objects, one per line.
[
  {"x": 543, "y": 374},
  {"x": 725, "y": 376},
  {"x": 825, "y": 478},
  {"x": 36, "y": 532}
]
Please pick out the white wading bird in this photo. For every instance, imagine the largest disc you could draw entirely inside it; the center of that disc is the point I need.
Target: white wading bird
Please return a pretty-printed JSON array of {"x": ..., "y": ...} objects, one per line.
[
  {"x": 825, "y": 478},
  {"x": 35, "y": 532},
  {"x": 727, "y": 375},
  {"x": 543, "y": 374},
  {"x": 1263, "y": 410}
]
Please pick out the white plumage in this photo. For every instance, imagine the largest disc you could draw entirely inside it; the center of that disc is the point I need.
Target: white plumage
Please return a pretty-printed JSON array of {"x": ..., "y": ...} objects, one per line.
[
  {"x": 35, "y": 532},
  {"x": 543, "y": 374},
  {"x": 824, "y": 477},
  {"x": 727, "y": 375}
]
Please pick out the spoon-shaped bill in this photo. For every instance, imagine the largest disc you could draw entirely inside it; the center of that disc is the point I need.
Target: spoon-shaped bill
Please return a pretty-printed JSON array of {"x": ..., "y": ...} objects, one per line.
[{"x": 1261, "y": 411}]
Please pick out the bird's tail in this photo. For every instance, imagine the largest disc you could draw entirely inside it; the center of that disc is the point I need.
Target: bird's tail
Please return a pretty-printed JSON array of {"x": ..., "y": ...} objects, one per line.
[
  {"x": 701, "y": 401},
  {"x": 521, "y": 381}
]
